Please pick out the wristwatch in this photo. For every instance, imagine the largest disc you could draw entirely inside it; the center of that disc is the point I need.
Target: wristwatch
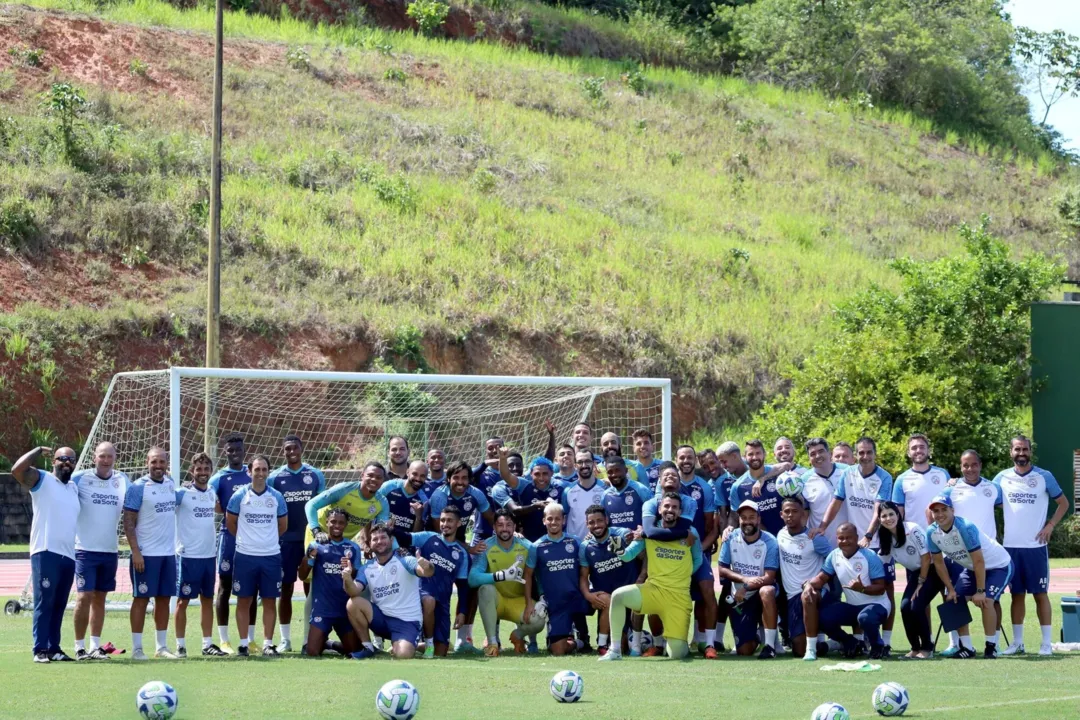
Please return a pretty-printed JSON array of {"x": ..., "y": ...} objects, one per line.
[
  {"x": 980, "y": 590},
  {"x": 869, "y": 536}
]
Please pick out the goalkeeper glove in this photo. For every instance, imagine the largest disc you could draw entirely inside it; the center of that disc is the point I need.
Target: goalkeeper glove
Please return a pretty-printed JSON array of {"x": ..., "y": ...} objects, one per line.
[
  {"x": 616, "y": 543},
  {"x": 321, "y": 537},
  {"x": 514, "y": 573}
]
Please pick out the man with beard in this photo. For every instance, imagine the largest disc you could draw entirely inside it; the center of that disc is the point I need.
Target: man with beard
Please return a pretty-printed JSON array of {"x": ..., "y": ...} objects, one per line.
[
  {"x": 623, "y": 498},
  {"x": 526, "y": 497},
  {"x": 577, "y": 498},
  {"x": 784, "y": 452},
  {"x": 55, "y": 502},
  {"x": 224, "y": 483},
  {"x": 499, "y": 573},
  {"x": 1026, "y": 493},
  {"x": 749, "y": 560},
  {"x": 611, "y": 446},
  {"x": 755, "y": 485},
  {"x": 554, "y": 563},
  {"x": 329, "y": 602},
  {"x": 643, "y": 451},
  {"x": 406, "y": 499},
  {"x": 819, "y": 488},
  {"x": 566, "y": 468},
  {"x": 397, "y": 456},
  {"x": 603, "y": 572},
  {"x": 451, "y": 563}
]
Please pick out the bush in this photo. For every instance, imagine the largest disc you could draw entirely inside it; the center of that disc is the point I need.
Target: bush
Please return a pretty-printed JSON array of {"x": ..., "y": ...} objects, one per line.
[
  {"x": 18, "y": 224},
  {"x": 1065, "y": 542},
  {"x": 428, "y": 14}
]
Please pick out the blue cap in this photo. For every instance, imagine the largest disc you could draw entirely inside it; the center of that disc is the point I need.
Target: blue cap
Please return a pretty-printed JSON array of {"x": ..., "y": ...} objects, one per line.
[{"x": 941, "y": 500}]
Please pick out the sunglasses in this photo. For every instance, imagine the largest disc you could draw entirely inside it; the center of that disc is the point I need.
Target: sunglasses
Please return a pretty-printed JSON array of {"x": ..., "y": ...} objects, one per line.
[{"x": 65, "y": 458}]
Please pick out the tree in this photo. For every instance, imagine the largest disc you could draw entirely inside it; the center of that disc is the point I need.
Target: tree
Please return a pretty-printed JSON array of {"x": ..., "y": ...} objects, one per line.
[
  {"x": 1053, "y": 58},
  {"x": 947, "y": 355}
]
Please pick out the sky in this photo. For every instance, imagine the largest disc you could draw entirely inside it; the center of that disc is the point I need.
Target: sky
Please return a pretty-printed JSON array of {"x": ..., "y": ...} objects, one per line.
[{"x": 1044, "y": 15}]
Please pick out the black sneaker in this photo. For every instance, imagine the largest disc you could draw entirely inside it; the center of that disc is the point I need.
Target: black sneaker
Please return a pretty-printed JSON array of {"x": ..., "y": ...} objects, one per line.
[
  {"x": 42, "y": 657},
  {"x": 860, "y": 648},
  {"x": 886, "y": 652},
  {"x": 767, "y": 653},
  {"x": 335, "y": 646},
  {"x": 61, "y": 657},
  {"x": 242, "y": 651},
  {"x": 851, "y": 649},
  {"x": 270, "y": 651},
  {"x": 213, "y": 650},
  {"x": 876, "y": 652},
  {"x": 720, "y": 649},
  {"x": 822, "y": 650},
  {"x": 81, "y": 654},
  {"x": 964, "y": 653},
  {"x": 181, "y": 652},
  {"x": 98, "y": 654},
  {"x": 990, "y": 653}
]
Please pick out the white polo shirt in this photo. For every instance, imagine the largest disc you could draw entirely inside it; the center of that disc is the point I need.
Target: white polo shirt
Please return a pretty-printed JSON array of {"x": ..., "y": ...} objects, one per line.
[{"x": 56, "y": 512}]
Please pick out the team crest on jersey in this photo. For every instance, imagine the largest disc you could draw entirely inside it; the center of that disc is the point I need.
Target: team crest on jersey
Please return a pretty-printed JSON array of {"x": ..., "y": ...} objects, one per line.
[
  {"x": 629, "y": 499},
  {"x": 393, "y": 569},
  {"x": 225, "y": 565},
  {"x": 236, "y": 586},
  {"x": 348, "y": 553},
  {"x": 988, "y": 492},
  {"x": 1031, "y": 483},
  {"x": 569, "y": 547},
  {"x": 467, "y": 505},
  {"x": 185, "y": 589},
  {"x": 371, "y": 510},
  {"x": 455, "y": 554},
  {"x": 936, "y": 480},
  {"x": 545, "y": 551},
  {"x": 696, "y": 494},
  {"x": 269, "y": 502},
  {"x": 800, "y": 543},
  {"x": 115, "y": 483},
  {"x": 307, "y": 480},
  {"x": 770, "y": 486},
  {"x": 857, "y": 567},
  {"x": 143, "y": 587},
  {"x": 911, "y": 550},
  {"x": 316, "y": 619},
  {"x": 757, "y": 553}
]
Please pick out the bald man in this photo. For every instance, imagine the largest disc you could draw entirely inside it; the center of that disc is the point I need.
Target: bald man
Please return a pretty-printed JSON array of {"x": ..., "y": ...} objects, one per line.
[
  {"x": 554, "y": 562},
  {"x": 55, "y": 501},
  {"x": 101, "y": 502}
]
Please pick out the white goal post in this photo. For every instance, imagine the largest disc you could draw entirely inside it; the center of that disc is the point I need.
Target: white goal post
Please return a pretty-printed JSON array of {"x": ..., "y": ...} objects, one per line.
[{"x": 345, "y": 418}]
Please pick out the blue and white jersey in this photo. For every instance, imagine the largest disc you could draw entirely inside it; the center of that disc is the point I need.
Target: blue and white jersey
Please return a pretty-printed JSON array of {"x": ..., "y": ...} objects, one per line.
[
  {"x": 532, "y": 524},
  {"x": 607, "y": 571},
  {"x": 196, "y": 536},
  {"x": 224, "y": 483},
  {"x": 634, "y": 471},
  {"x": 768, "y": 502},
  {"x": 961, "y": 540},
  {"x": 256, "y": 522},
  {"x": 800, "y": 558},
  {"x": 864, "y": 566},
  {"x": 555, "y": 562},
  {"x": 297, "y": 487},
  {"x": 56, "y": 513},
  {"x": 566, "y": 480},
  {"x": 651, "y": 508},
  {"x": 914, "y": 489},
  {"x": 328, "y": 596},
  {"x": 451, "y": 561},
  {"x": 721, "y": 487},
  {"x": 484, "y": 479},
  {"x": 1025, "y": 500},
  {"x": 860, "y": 494},
  {"x": 976, "y": 503},
  {"x": 624, "y": 506},
  {"x": 394, "y": 587},
  {"x": 400, "y": 501},
  {"x": 575, "y": 500},
  {"x": 434, "y": 484},
  {"x": 750, "y": 559},
  {"x": 155, "y": 502},
  {"x": 468, "y": 504},
  {"x": 701, "y": 493},
  {"x": 819, "y": 491},
  {"x": 101, "y": 503},
  {"x": 911, "y": 553},
  {"x": 652, "y": 473}
]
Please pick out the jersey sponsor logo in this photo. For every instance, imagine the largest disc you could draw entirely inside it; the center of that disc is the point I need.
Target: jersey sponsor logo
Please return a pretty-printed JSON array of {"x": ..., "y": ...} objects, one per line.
[
  {"x": 561, "y": 565},
  {"x": 607, "y": 565},
  {"x": 440, "y": 562},
  {"x": 664, "y": 553},
  {"x": 861, "y": 503}
]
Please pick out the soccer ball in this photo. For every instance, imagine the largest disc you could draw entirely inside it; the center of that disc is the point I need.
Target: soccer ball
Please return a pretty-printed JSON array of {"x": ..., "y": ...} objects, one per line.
[
  {"x": 789, "y": 483},
  {"x": 156, "y": 700},
  {"x": 646, "y": 640},
  {"x": 567, "y": 686},
  {"x": 890, "y": 699},
  {"x": 397, "y": 700},
  {"x": 830, "y": 711}
]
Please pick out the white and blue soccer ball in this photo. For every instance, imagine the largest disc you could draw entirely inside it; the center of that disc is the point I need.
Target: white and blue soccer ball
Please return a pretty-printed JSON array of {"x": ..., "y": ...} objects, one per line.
[
  {"x": 789, "y": 483},
  {"x": 567, "y": 686},
  {"x": 647, "y": 640},
  {"x": 398, "y": 700},
  {"x": 830, "y": 711},
  {"x": 156, "y": 700},
  {"x": 890, "y": 699}
]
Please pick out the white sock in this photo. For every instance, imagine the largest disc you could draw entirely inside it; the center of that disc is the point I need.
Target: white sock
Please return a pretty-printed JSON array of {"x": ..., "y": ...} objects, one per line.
[
  {"x": 699, "y": 636},
  {"x": 770, "y": 637},
  {"x": 223, "y": 633},
  {"x": 95, "y": 642},
  {"x": 492, "y": 640},
  {"x": 659, "y": 642},
  {"x": 635, "y": 640},
  {"x": 1018, "y": 634},
  {"x": 710, "y": 637},
  {"x": 80, "y": 645},
  {"x": 601, "y": 639},
  {"x": 886, "y": 637},
  {"x": 181, "y": 643},
  {"x": 992, "y": 639},
  {"x": 286, "y": 633},
  {"x": 429, "y": 642},
  {"x": 161, "y": 639},
  {"x": 720, "y": 628},
  {"x": 965, "y": 640},
  {"x": 243, "y": 642},
  {"x": 1046, "y": 634},
  {"x": 136, "y": 641},
  {"x": 822, "y": 638},
  {"x": 251, "y": 634},
  {"x": 207, "y": 642},
  {"x": 860, "y": 637},
  {"x": 267, "y": 642},
  {"x": 954, "y": 639},
  {"x": 369, "y": 646}
]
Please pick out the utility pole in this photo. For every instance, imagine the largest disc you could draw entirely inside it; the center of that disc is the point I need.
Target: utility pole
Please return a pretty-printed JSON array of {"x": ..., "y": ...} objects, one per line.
[{"x": 213, "y": 289}]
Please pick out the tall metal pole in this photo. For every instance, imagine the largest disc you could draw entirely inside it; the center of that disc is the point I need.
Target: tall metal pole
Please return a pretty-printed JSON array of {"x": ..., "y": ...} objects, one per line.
[{"x": 213, "y": 289}]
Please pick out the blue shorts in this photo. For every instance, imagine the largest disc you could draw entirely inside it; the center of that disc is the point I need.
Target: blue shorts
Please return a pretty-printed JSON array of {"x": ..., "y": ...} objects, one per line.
[
  {"x": 195, "y": 577},
  {"x": 996, "y": 580},
  {"x": 1031, "y": 570},
  {"x": 226, "y": 551},
  {"x": 704, "y": 572},
  {"x": 560, "y": 625},
  {"x": 158, "y": 578},
  {"x": 890, "y": 571},
  {"x": 794, "y": 617},
  {"x": 292, "y": 553},
  {"x": 95, "y": 571},
  {"x": 441, "y": 630},
  {"x": 339, "y": 625},
  {"x": 744, "y": 620},
  {"x": 257, "y": 574},
  {"x": 390, "y": 627}
]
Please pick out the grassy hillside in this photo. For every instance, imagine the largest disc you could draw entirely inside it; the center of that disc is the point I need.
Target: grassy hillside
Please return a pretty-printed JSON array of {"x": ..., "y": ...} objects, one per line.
[{"x": 577, "y": 214}]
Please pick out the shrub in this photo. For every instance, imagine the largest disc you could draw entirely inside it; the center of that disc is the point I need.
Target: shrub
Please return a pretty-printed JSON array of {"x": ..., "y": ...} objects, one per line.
[
  {"x": 1065, "y": 542},
  {"x": 593, "y": 87},
  {"x": 30, "y": 57},
  {"x": 298, "y": 59},
  {"x": 138, "y": 68},
  {"x": 396, "y": 192},
  {"x": 18, "y": 224},
  {"x": 428, "y": 14}
]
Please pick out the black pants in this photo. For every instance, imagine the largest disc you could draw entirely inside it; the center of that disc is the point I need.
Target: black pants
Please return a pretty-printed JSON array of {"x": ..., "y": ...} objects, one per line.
[{"x": 913, "y": 608}]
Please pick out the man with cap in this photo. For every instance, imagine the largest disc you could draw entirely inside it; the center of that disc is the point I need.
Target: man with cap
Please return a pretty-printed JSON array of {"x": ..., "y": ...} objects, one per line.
[{"x": 749, "y": 560}]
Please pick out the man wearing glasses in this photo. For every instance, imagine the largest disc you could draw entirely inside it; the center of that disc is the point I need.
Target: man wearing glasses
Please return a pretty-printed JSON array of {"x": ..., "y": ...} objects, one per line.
[{"x": 55, "y": 501}]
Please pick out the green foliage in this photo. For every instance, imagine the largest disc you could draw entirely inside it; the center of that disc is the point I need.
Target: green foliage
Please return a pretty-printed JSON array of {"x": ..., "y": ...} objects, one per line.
[
  {"x": 34, "y": 57},
  {"x": 18, "y": 224},
  {"x": 1053, "y": 60},
  {"x": 138, "y": 68},
  {"x": 946, "y": 355},
  {"x": 1065, "y": 542},
  {"x": 1068, "y": 209},
  {"x": 298, "y": 59},
  {"x": 397, "y": 192},
  {"x": 16, "y": 345},
  {"x": 635, "y": 80},
  {"x": 395, "y": 75},
  {"x": 484, "y": 181},
  {"x": 42, "y": 437},
  {"x": 387, "y": 403},
  {"x": 593, "y": 88},
  {"x": 134, "y": 256},
  {"x": 67, "y": 103},
  {"x": 428, "y": 14}
]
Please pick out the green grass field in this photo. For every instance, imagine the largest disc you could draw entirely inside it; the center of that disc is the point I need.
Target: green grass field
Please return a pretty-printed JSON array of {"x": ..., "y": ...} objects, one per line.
[{"x": 509, "y": 687}]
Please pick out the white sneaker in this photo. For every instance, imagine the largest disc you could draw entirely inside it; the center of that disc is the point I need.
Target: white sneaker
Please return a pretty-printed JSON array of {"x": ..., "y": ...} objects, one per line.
[
  {"x": 138, "y": 654},
  {"x": 609, "y": 656},
  {"x": 285, "y": 646},
  {"x": 811, "y": 655},
  {"x": 1014, "y": 649},
  {"x": 1046, "y": 649},
  {"x": 164, "y": 654}
]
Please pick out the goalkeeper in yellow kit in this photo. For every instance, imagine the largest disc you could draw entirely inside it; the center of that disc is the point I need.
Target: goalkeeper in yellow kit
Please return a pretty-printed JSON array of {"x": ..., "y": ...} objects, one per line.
[{"x": 666, "y": 592}]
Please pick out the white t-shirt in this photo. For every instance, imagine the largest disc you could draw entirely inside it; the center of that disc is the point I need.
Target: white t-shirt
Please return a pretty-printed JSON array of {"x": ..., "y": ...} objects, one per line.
[
  {"x": 575, "y": 501},
  {"x": 976, "y": 503},
  {"x": 860, "y": 494},
  {"x": 800, "y": 559},
  {"x": 962, "y": 539},
  {"x": 256, "y": 523},
  {"x": 819, "y": 491},
  {"x": 155, "y": 502},
  {"x": 914, "y": 490},
  {"x": 909, "y": 554},
  {"x": 56, "y": 512},
  {"x": 1025, "y": 500},
  {"x": 196, "y": 535},
  {"x": 394, "y": 587},
  {"x": 864, "y": 565},
  {"x": 101, "y": 503}
]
